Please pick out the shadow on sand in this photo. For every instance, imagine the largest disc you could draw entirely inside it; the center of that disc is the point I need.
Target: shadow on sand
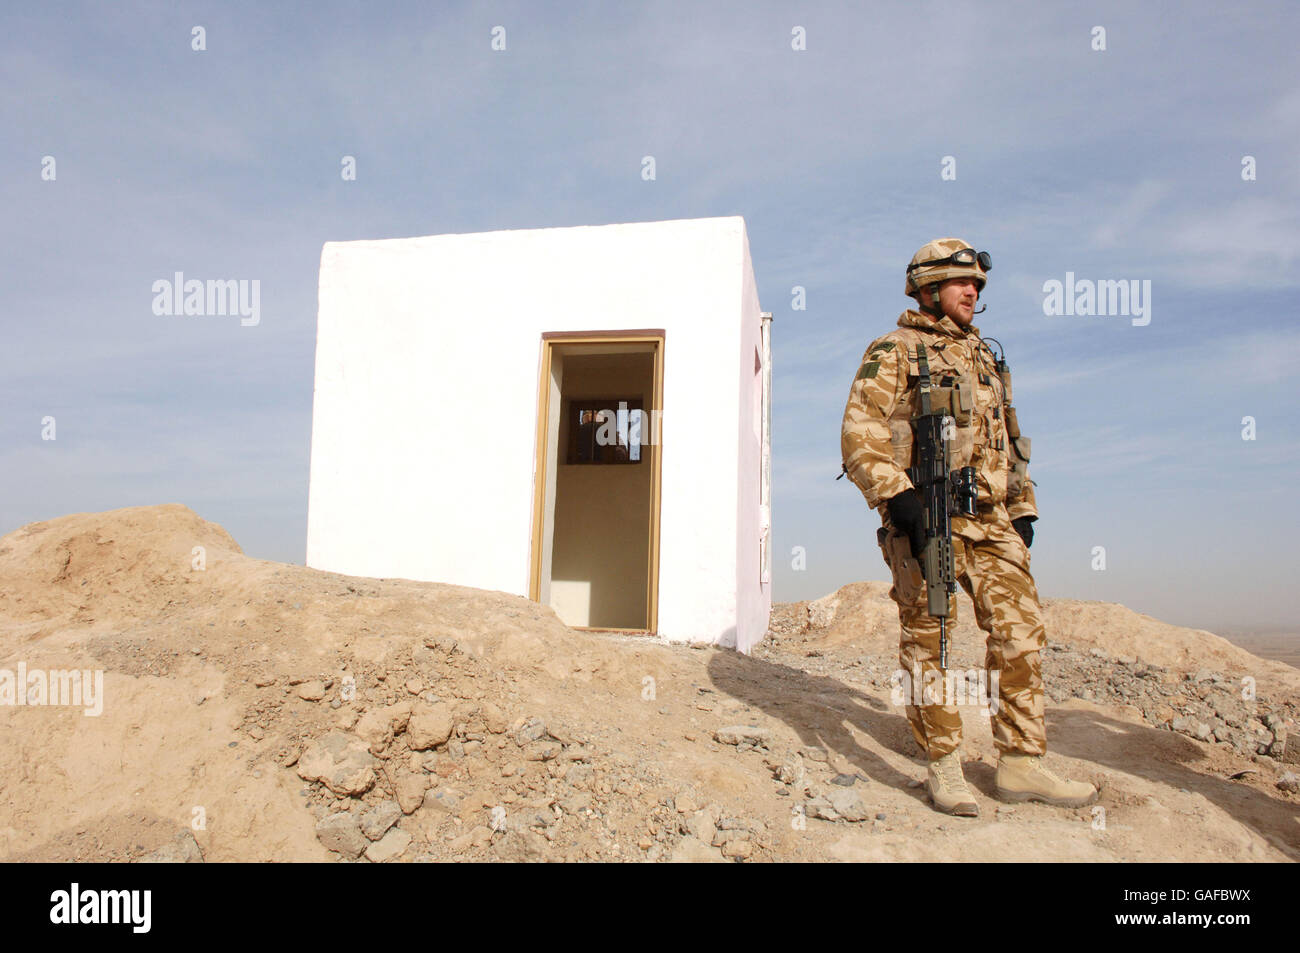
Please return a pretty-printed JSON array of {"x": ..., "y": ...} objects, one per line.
[{"x": 821, "y": 710}]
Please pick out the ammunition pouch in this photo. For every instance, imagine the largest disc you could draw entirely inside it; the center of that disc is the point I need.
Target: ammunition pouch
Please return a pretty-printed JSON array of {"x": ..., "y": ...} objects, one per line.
[
  {"x": 909, "y": 583},
  {"x": 1018, "y": 474},
  {"x": 1013, "y": 423},
  {"x": 957, "y": 400},
  {"x": 953, "y": 393}
]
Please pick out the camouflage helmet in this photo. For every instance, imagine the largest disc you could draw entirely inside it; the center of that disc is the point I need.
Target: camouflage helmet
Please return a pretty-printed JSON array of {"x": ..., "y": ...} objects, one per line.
[{"x": 940, "y": 269}]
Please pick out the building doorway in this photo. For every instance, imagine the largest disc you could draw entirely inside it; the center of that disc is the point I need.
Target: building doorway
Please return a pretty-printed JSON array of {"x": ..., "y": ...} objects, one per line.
[{"x": 595, "y": 528}]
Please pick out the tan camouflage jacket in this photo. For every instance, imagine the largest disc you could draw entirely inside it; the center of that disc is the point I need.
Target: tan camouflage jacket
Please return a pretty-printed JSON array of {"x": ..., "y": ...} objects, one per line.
[{"x": 876, "y": 437}]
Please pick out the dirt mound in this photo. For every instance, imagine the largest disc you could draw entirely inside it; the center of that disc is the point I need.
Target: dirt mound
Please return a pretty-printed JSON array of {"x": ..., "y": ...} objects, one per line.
[
  {"x": 64, "y": 571},
  {"x": 862, "y": 614},
  {"x": 220, "y": 672},
  {"x": 250, "y": 710}
]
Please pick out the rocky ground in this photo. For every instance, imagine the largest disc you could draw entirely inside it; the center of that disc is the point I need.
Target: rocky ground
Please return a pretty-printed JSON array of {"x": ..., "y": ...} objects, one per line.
[{"x": 261, "y": 711}]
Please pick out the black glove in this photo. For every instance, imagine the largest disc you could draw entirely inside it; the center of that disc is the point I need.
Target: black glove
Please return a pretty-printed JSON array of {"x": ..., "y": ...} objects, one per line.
[
  {"x": 907, "y": 513},
  {"x": 1024, "y": 525}
]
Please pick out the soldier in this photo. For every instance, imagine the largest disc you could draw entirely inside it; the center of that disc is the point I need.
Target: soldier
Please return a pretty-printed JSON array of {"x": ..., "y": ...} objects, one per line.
[{"x": 991, "y": 549}]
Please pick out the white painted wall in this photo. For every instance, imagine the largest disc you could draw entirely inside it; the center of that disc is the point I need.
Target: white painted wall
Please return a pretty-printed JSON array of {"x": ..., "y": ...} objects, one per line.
[
  {"x": 424, "y": 421},
  {"x": 754, "y": 597}
]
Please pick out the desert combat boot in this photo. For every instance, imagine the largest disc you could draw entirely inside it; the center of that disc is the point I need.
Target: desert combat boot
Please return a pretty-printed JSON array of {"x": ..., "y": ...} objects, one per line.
[
  {"x": 948, "y": 788},
  {"x": 1024, "y": 777}
]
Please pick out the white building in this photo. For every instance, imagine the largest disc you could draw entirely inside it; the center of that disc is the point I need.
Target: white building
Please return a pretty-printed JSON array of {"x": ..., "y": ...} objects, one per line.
[{"x": 577, "y": 415}]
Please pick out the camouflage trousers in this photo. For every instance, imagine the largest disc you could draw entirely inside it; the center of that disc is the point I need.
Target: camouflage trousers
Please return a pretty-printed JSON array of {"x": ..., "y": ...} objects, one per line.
[{"x": 992, "y": 564}]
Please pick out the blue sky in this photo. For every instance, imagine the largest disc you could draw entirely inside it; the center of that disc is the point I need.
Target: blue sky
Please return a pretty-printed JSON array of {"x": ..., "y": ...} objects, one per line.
[{"x": 1116, "y": 164}]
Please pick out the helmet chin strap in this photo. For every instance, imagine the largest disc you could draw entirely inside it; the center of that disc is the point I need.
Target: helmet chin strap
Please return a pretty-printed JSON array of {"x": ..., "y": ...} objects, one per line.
[{"x": 933, "y": 309}]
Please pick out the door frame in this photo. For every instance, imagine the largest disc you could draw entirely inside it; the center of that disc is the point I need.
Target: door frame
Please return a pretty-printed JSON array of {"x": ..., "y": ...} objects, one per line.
[{"x": 541, "y": 455}]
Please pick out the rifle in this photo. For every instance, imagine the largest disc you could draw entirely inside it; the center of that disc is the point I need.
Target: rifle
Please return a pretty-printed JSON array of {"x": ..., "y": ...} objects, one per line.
[{"x": 945, "y": 492}]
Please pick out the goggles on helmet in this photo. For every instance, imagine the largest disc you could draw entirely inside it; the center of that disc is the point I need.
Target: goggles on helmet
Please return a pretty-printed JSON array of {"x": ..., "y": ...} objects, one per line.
[{"x": 963, "y": 256}]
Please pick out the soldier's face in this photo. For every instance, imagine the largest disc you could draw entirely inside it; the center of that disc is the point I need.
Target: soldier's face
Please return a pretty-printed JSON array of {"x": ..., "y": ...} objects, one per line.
[{"x": 957, "y": 299}]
